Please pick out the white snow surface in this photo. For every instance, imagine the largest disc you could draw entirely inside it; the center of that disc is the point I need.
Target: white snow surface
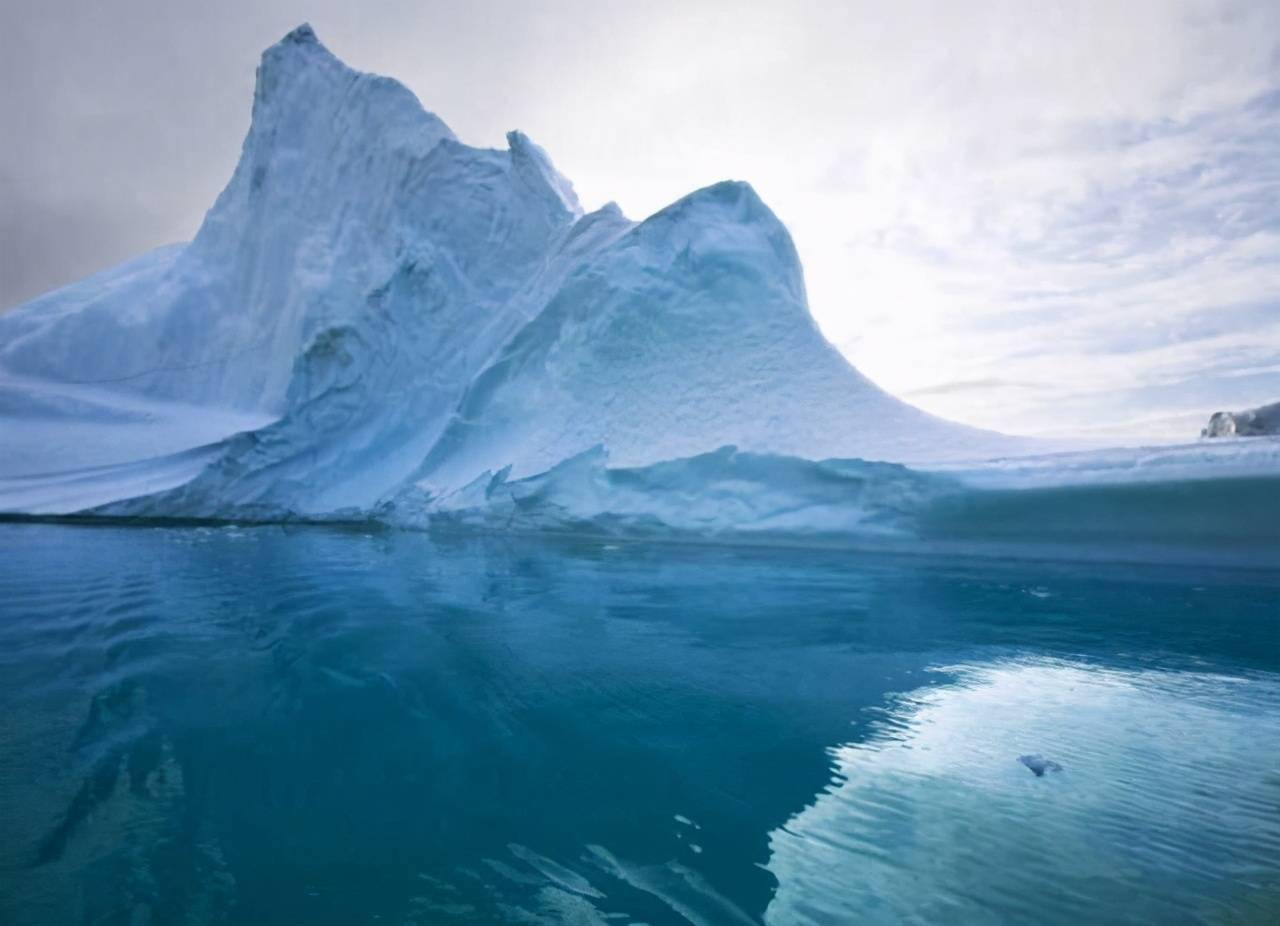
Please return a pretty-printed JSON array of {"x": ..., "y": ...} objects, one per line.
[{"x": 377, "y": 321}]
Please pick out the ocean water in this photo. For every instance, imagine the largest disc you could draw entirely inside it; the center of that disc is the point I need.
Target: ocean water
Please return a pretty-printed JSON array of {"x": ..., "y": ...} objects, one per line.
[{"x": 296, "y": 726}]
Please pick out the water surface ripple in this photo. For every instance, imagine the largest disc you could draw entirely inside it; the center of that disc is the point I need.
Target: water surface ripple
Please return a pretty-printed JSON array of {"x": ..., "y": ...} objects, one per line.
[{"x": 266, "y": 725}]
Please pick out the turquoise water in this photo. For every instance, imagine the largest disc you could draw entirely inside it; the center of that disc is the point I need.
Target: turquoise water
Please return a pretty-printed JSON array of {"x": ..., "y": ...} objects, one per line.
[{"x": 261, "y": 725}]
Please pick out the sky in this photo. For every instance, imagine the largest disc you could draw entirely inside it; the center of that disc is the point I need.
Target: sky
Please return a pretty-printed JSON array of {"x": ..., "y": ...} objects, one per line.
[{"x": 1043, "y": 218}]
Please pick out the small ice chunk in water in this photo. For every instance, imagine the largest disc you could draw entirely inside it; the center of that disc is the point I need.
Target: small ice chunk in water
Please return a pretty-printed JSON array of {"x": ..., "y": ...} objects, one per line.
[{"x": 1039, "y": 764}]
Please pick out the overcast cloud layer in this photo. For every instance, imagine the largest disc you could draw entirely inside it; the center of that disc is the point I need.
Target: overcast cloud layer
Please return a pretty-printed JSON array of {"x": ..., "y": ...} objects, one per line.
[{"x": 1038, "y": 217}]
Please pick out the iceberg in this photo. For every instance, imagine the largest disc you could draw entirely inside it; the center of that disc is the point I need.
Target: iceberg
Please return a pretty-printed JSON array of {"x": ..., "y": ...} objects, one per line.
[
  {"x": 1253, "y": 422},
  {"x": 376, "y": 321}
]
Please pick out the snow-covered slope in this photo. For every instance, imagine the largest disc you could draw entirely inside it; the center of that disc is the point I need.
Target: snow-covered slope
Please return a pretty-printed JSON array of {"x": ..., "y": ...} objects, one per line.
[
  {"x": 378, "y": 321},
  {"x": 688, "y": 332}
]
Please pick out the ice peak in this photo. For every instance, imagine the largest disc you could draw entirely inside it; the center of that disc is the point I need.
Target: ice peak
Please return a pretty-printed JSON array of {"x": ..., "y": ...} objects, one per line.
[
  {"x": 316, "y": 124},
  {"x": 299, "y": 73},
  {"x": 302, "y": 35},
  {"x": 729, "y": 191},
  {"x": 729, "y": 201},
  {"x": 289, "y": 60},
  {"x": 532, "y": 163},
  {"x": 300, "y": 45}
]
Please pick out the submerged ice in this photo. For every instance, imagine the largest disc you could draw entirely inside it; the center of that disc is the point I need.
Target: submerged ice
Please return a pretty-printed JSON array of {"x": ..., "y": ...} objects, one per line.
[
  {"x": 376, "y": 320},
  {"x": 935, "y": 780}
]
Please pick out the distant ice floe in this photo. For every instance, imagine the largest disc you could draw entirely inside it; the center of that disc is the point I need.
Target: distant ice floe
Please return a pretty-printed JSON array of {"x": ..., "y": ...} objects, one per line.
[{"x": 1254, "y": 422}]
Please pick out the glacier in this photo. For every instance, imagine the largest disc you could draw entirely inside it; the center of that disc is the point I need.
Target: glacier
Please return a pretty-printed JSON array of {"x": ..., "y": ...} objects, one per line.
[{"x": 378, "y": 322}]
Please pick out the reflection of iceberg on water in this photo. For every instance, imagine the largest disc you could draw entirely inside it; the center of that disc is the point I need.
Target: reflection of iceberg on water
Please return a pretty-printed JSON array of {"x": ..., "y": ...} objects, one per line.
[{"x": 1167, "y": 792}]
